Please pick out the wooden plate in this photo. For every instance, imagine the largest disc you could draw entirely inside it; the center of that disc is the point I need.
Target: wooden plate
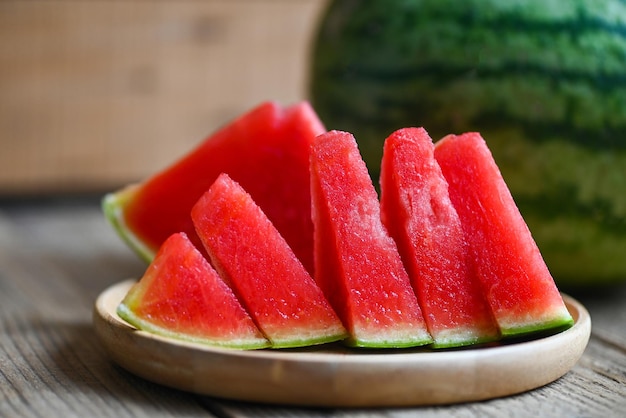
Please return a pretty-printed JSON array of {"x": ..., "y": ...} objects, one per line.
[{"x": 335, "y": 376}]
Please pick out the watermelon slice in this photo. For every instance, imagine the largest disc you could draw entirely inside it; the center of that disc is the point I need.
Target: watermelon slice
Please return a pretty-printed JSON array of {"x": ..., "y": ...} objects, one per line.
[
  {"x": 265, "y": 150},
  {"x": 181, "y": 296},
  {"x": 357, "y": 264},
  {"x": 416, "y": 210},
  {"x": 519, "y": 288},
  {"x": 251, "y": 255}
]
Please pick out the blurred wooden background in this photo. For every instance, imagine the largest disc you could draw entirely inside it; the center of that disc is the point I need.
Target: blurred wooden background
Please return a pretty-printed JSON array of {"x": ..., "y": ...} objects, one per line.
[{"x": 96, "y": 94}]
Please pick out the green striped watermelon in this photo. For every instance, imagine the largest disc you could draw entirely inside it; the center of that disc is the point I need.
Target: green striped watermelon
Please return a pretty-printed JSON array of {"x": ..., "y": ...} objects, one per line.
[{"x": 544, "y": 81}]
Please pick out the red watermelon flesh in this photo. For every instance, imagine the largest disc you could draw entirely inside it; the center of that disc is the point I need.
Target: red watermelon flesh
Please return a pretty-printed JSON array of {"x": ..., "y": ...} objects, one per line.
[
  {"x": 252, "y": 256},
  {"x": 265, "y": 150},
  {"x": 181, "y": 296},
  {"x": 518, "y": 286},
  {"x": 417, "y": 211},
  {"x": 357, "y": 264}
]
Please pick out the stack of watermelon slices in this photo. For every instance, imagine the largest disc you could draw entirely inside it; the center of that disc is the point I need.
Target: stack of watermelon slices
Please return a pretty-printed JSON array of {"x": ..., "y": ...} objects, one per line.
[{"x": 444, "y": 258}]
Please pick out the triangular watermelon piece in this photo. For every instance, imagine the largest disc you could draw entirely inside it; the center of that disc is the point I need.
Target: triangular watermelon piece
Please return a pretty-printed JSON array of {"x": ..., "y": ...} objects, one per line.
[
  {"x": 417, "y": 211},
  {"x": 357, "y": 264},
  {"x": 519, "y": 288},
  {"x": 181, "y": 296},
  {"x": 265, "y": 150},
  {"x": 252, "y": 256}
]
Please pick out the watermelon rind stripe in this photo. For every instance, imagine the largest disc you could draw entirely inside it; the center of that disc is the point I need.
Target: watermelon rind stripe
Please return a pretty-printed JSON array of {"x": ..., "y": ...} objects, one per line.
[
  {"x": 574, "y": 27},
  {"x": 562, "y": 62},
  {"x": 539, "y": 18},
  {"x": 537, "y": 130},
  {"x": 113, "y": 208},
  {"x": 572, "y": 111},
  {"x": 129, "y": 316},
  {"x": 530, "y": 15},
  {"x": 606, "y": 82},
  {"x": 552, "y": 208},
  {"x": 432, "y": 37}
]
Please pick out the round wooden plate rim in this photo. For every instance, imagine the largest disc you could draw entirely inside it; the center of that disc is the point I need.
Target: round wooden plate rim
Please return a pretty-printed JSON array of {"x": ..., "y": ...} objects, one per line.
[{"x": 405, "y": 377}]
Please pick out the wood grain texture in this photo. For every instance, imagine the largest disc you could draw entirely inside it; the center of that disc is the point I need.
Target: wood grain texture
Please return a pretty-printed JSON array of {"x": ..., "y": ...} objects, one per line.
[
  {"x": 96, "y": 94},
  {"x": 50, "y": 362},
  {"x": 333, "y": 376},
  {"x": 57, "y": 256}
]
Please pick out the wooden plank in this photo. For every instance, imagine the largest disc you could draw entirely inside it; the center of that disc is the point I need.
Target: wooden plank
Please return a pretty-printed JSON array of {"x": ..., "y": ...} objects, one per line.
[
  {"x": 51, "y": 362},
  {"x": 96, "y": 94}
]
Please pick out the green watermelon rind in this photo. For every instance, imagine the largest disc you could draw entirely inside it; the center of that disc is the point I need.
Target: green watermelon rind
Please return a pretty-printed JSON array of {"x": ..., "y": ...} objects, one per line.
[
  {"x": 461, "y": 340},
  {"x": 401, "y": 341},
  {"x": 127, "y": 314},
  {"x": 305, "y": 342},
  {"x": 113, "y": 207},
  {"x": 385, "y": 344},
  {"x": 462, "y": 337},
  {"x": 554, "y": 325}
]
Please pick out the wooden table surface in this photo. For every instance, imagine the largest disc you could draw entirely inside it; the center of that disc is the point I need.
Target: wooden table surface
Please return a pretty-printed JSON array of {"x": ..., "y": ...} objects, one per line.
[{"x": 58, "y": 254}]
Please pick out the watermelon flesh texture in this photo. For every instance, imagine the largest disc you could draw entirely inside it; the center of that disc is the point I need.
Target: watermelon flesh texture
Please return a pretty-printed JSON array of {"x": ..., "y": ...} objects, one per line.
[
  {"x": 181, "y": 296},
  {"x": 520, "y": 290},
  {"x": 357, "y": 264},
  {"x": 265, "y": 150},
  {"x": 417, "y": 211},
  {"x": 252, "y": 256}
]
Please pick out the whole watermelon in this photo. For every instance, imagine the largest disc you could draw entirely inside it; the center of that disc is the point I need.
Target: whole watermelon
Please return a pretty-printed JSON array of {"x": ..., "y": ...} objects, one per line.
[{"x": 544, "y": 81}]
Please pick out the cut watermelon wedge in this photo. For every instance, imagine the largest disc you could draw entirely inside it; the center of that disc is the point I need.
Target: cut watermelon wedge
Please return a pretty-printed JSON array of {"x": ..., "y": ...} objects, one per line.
[
  {"x": 181, "y": 296},
  {"x": 518, "y": 286},
  {"x": 266, "y": 151},
  {"x": 250, "y": 254},
  {"x": 417, "y": 211},
  {"x": 357, "y": 264}
]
